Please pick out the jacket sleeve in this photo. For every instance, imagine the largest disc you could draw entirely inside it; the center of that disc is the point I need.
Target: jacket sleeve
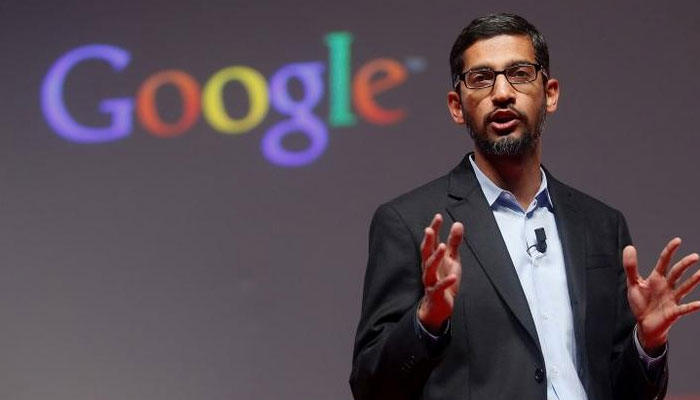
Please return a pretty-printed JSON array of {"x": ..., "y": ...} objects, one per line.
[
  {"x": 391, "y": 359},
  {"x": 630, "y": 380}
]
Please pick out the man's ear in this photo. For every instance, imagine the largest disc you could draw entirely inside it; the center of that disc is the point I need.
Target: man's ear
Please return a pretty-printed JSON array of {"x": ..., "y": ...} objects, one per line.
[
  {"x": 551, "y": 91},
  {"x": 454, "y": 106}
]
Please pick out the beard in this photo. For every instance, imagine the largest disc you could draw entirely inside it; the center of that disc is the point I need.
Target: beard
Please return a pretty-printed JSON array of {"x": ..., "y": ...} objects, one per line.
[{"x": 508, "y": 146}]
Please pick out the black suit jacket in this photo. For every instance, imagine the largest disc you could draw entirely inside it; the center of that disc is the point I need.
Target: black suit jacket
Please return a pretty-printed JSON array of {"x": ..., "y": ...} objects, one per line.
[{"x": 491, "y": 350}]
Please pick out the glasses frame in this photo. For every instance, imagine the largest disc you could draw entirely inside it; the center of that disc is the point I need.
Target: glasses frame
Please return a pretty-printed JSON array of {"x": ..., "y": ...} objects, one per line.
[{"x": 461, "y": 77}]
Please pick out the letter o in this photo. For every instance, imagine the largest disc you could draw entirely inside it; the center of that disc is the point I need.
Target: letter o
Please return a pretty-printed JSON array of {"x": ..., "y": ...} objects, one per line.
[
  {"x": 146, "y": 103},
  {"x": 213, "y": 102}
]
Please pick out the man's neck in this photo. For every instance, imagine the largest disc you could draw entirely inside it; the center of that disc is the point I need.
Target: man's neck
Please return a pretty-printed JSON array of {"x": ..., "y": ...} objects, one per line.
[{"x": 519, "y": 175}]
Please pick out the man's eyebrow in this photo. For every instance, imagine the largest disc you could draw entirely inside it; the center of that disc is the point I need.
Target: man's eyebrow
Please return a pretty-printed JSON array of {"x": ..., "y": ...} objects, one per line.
[
  {"x": 511, "y": 64},
  {"x": 478, "y": 67}
]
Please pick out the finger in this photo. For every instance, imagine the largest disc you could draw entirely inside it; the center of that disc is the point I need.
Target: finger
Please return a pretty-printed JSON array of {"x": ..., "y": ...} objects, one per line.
[
  {"x": 629, "y": 261},
  {"x": 685, "y": 309},
  {"x": 427, "y": 246},
  {"x": 666, "y": 256},
  {"x": 444, "y": 283},
  {"x": 431, "y": 266},
  {"x": 680, "y": 267},
  {"x": 430, "y": 237},
  {"x": 455, "y": 238},
  {"x": 687, "y": 286},
  {"x": 436, "y": 224}
]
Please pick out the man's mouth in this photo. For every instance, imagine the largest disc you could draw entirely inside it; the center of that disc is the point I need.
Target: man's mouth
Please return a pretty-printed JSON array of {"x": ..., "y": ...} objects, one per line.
[{"x": 504, "y": 121}]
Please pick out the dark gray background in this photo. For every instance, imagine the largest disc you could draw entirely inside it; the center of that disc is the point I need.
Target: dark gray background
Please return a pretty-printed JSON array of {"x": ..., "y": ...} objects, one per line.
[{"x": 190, "y": 268}]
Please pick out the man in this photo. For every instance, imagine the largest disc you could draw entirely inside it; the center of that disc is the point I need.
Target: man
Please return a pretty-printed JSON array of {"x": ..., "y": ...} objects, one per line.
[{"x": 535, "y": 293}]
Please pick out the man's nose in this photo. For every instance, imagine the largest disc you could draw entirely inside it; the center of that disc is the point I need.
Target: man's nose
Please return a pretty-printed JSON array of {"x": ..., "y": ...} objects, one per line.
[{"x": 502, "y": 91}]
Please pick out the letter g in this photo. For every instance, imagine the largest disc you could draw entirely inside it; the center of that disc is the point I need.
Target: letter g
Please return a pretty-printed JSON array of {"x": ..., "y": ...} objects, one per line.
[{"x": 55, "y": 110}]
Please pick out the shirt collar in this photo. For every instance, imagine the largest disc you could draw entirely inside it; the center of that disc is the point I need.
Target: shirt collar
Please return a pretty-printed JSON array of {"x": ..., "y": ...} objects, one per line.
[{"x": 492, "y": 192}]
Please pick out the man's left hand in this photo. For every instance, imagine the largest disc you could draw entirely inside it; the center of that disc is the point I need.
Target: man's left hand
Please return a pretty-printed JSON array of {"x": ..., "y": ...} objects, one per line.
[{"x": 656, "y": 301}]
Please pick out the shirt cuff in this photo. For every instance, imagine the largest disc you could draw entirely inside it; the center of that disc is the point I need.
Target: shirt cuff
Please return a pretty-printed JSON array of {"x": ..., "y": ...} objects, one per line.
[
  {"x": 424, "y": 334},
  {"x": 651, "y": 364}
]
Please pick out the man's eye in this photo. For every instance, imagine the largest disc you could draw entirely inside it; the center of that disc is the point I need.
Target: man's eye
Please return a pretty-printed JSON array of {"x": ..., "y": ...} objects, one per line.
[
  {"x": 521, "y": 72},
  {"x": 480, "y": 76}
]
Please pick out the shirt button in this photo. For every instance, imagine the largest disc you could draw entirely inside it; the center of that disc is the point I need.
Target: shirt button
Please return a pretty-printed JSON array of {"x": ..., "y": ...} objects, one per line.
[
  {"x": 545, "y": 316},
  {"x": 539, "y": 374}
]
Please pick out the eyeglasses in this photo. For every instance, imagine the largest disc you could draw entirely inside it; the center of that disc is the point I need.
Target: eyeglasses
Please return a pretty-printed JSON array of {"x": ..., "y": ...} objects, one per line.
[{"x": 486, "y": 77}]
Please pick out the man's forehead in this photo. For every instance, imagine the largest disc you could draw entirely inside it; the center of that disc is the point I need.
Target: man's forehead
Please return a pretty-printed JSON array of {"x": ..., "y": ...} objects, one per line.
[{"x": 499, "y": 52}]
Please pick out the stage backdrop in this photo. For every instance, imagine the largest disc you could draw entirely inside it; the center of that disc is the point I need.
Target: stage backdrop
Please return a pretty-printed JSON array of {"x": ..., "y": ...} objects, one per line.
[{"x": 187, "y": 185}]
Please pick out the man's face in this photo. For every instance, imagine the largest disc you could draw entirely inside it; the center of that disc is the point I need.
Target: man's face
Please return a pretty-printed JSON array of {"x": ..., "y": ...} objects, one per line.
[{"x": 504, "y": 119}]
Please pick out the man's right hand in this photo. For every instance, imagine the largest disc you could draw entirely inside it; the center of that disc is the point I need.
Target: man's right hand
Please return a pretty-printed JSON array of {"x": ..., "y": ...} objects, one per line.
[{"x": 442, "y": 272}]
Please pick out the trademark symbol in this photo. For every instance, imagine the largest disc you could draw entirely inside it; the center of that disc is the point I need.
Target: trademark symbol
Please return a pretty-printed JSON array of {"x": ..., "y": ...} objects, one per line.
[{"x": 415, "y": 64}]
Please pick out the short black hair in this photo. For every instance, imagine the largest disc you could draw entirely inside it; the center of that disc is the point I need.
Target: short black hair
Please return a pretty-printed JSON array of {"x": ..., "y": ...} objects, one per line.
[{"x": 493, "y": 25}]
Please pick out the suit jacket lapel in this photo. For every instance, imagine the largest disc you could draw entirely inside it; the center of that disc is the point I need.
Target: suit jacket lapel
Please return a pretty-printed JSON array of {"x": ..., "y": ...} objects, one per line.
[
  {"x": 484, "y": 239},
  {"x": 572, "y": 233}
]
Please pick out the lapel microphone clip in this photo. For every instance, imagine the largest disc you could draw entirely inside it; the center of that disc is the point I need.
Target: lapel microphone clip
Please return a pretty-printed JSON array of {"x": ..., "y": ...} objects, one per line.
[{"x": 541, "y": 244}]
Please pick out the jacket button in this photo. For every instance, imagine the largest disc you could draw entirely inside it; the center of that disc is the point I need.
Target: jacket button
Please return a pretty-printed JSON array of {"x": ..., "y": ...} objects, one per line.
[{"x": 539, "y": 374}]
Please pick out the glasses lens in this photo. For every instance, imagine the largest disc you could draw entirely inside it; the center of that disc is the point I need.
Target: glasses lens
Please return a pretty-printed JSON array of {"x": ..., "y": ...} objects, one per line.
[
  {"x": 521, "y": 73},
  {"x": 479, "y": 78}
]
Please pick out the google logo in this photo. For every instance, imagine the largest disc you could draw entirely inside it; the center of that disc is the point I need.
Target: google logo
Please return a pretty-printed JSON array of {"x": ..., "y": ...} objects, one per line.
[{"x": 345, "y": 93}]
